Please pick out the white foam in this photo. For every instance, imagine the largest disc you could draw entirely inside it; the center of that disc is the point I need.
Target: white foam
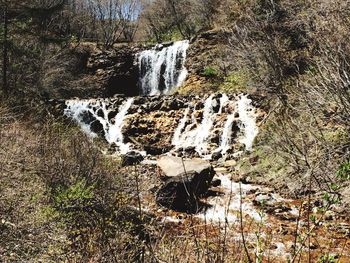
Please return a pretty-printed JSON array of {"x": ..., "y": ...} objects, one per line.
[
  {"x": 163, "y": 67},
  {"x": 227, "y": 208},
  {"x": 247, "y": 117},
  {"x": 79, "y": 109}
]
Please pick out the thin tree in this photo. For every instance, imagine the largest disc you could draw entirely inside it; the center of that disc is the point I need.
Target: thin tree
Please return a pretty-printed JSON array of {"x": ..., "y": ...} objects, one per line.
[{"x": 5, "y": 50}]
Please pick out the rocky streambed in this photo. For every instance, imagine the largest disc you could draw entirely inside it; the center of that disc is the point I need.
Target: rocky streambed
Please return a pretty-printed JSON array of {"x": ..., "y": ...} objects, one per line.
[
  {"x": 185, "y": 149},
  {"x": 213, "y": 202}
]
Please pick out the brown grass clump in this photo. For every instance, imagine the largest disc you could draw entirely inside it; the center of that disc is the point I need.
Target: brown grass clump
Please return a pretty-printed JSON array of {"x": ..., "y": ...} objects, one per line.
[{"x": 60, "y": 198}]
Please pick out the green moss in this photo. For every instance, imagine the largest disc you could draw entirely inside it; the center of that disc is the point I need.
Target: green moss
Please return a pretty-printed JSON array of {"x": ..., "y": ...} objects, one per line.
[
  {"x": 210, "y": 72},
  {"x": 235, "y": 82},
  {"x": 79, "y": 191},
  {"x": 344, "y": 171}
]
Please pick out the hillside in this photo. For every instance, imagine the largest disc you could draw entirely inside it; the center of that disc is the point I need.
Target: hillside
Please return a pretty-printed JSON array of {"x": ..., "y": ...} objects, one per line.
[{"x": 175, "y": 131}]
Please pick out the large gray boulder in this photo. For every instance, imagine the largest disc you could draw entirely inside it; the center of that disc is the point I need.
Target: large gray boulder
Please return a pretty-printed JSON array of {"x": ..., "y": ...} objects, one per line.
[
  {"x": 175, "y": 166},
  {"x": 186, "y": 181}
]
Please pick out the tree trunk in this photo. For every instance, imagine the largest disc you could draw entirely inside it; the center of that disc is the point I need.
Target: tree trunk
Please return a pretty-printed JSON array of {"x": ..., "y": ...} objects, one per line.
[{"x": 5, "y": 53}]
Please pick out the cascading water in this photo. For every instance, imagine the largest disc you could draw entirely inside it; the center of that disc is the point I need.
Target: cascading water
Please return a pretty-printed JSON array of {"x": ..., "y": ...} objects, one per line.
[
  {"x": 238, "y": 111},
  {"x": 176, "y": 139},
  {"x": 226, "y": 138},
  {"x": 162, "y": 71},
  {"x": 86, "y": 112},
  {"x": 218, "y": 124},
  {"x": 248, "y": 121},
  {"x": 195, "y": 137}
]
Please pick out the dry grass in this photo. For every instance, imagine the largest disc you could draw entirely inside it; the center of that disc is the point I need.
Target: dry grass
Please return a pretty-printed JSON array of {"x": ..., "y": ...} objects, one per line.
[{"x": 61, "y": 200}]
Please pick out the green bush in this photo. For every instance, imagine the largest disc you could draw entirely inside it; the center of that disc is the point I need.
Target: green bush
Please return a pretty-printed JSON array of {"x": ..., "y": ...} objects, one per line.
[
  {"x": 78, "y": 192},
  {"x": 344, "y": 171},
  {"x": 210, "y": 72}
]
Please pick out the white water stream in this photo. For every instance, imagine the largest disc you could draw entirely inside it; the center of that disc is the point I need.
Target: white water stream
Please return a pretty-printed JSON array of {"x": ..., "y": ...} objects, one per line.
[
  {"x": 162, "y": 71},
  {"x": 79, "y": 110},
  {"x": 190, "y": 133}
]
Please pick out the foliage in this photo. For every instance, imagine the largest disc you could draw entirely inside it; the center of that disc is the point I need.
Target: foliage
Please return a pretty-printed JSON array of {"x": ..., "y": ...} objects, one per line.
[
  {"x": 327, "y": 259},
  {"x": 78, "y": 192},
  {"x": 210, "y": 72},
  {"x": 186, "y": 17},
  {"x": 344, "y": 171},
  {"x": 235, "y": 82}
]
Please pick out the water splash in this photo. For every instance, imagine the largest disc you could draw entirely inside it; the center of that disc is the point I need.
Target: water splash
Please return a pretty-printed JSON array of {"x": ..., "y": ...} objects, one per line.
[
  {"x": 176, "y": 139},
  {"x": 86, "y": 112},
  {"x": 163, "y": 71},
  {"x": 223, "y": 102}
]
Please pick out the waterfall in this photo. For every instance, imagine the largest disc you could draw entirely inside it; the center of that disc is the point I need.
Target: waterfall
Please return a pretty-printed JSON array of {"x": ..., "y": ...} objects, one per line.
[
  {"x": 213, "y": 125},
  {"x": 176, "y": 139},
  {"x": 162, "y": 71},
  {"x": 248, "y": 121},
  {"x": 114, "y": 134},
  {"x": 204, "y": 129},
  {"x": 197, "y": 136},
  {"x": 190, "y": 133},
  {"x": 226, "y": 138},
  {"x": 247, "y": 125},
  {"x": 86, "y": 112},
  {"x": 223, "y": 101}
]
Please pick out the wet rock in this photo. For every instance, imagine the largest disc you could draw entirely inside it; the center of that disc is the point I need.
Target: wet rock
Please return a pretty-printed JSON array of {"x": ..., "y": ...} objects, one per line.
[
  {"x": 178, "y": 193},
  {"x": 153, "y": 150},
  {"x": 199, "y": 105},
  {"x": 112, "y": 114},
  {"x": 97, "y": 127},
  {"x": 154, "y": 106},
  {"x": 187, "y": 179},
  {"x": 216, "y": 156},
  {"x": 216, "y": 105},
  {"x": 216, "y": 183},
  {"x": 190, "y": 150},
  {"x": 131, "y": 158}
]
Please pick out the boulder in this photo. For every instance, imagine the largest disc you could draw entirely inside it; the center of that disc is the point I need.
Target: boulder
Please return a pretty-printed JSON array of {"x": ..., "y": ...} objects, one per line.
[
  {"x": 216, "y": 156},
  {"x": 187, "y": 180},
  {"x": 177, "y": 193},
  {"x": 175, "y": 166},
  {"x": 131, "y": 158}
]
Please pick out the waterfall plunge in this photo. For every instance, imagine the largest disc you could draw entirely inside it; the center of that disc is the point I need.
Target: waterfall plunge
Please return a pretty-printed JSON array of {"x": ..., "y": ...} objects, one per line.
[
  {"x": 83, "y": 110},
  {"x": 162, "y": 71}
]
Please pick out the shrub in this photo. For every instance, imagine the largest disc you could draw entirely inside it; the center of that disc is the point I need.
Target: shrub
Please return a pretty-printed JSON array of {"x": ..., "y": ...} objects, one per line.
[
  {"x": 344, "y": 171},
  {"x": 210, "y": 72},
  {"x": 236, "y": 82}
]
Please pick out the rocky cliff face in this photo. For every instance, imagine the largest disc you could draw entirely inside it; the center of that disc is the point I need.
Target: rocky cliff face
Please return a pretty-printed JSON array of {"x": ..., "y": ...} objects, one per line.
[
  {"x": 89, "y": 72},
  {"x": 204, "y": 52}
]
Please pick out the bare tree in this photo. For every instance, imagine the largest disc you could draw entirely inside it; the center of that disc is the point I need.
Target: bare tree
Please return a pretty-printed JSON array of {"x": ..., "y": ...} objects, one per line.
[
  {"x": 115, "y": 19},
  {"x": 169, "y": 18},
  {"x": 5, "y": 53}
]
